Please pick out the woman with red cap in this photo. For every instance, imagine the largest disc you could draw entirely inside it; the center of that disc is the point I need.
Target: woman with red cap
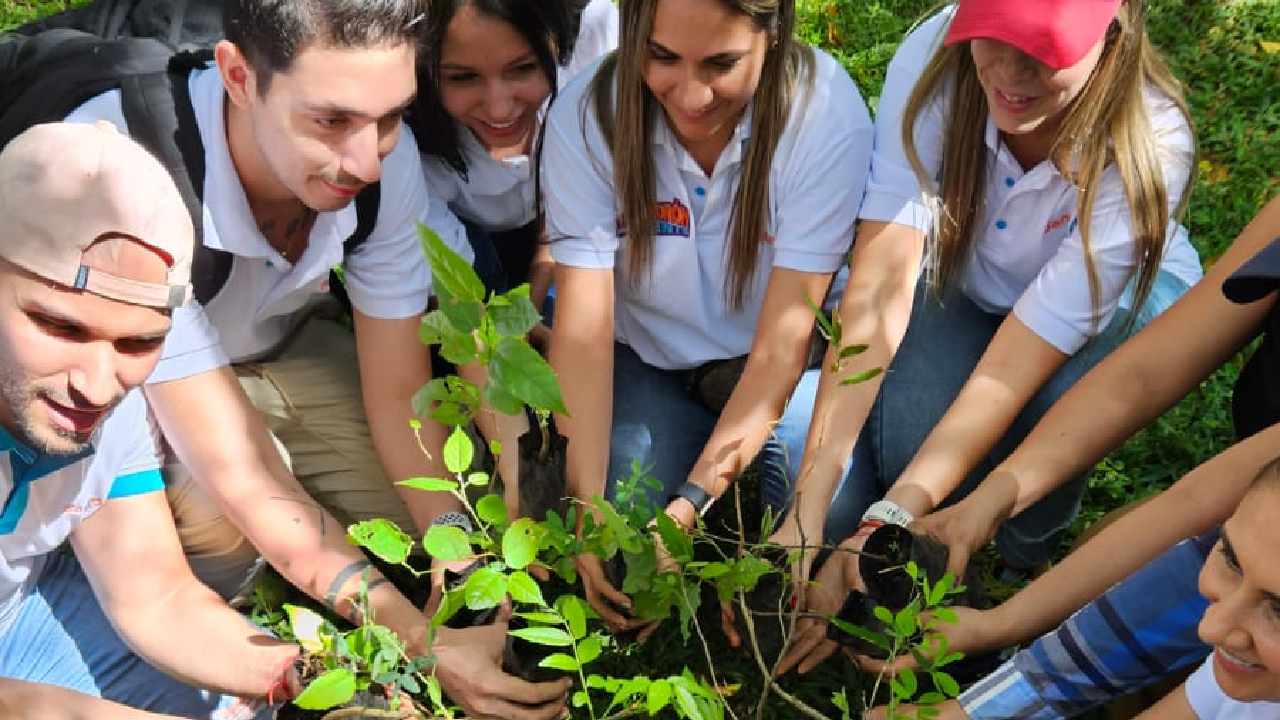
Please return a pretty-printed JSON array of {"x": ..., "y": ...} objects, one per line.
[{"x": 1032, "y": 158}]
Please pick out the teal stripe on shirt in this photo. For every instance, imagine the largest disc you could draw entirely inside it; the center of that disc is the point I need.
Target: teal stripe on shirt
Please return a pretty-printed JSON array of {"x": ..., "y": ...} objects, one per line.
[{"x": 137, "y": 483}]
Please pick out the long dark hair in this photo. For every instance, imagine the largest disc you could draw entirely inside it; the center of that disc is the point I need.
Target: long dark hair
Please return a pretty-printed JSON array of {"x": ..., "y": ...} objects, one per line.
[{"x": 550, "y": 28}]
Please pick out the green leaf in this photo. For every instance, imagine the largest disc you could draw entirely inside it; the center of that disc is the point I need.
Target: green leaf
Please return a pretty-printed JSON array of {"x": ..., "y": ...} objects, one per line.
[
  {"x": 912, "y": 570},
  {"x": 877, "y": 639},
  {"x": 434, "y": 691},
  {"x": 580, "y": 698},
  {"x": 523, "y": 589},
  {"x": 560, "y": 661},
  {"x": 306, "y": 625},
  {"x": 575, "y": 615},
  {"x": 499, "y": 399},
  {"x": 824, "y": 322},
  {"x": 449, "y": 271},
  {"x": 382, "y": 538},
  {"x": 674, "y": 537},
  {"x": 452, "y": 603},
  {"x": 458, "y": 451},
  {"x": 459, "y": 348},
  {"x": 521, "y": 372},
  {"x": 478, "y": 479},
  {"x": 907, "y": 678},
  {"x": 495, "y": 447},
  {"x": 549, "y": 636},
  {"x": 590, "y": 648},
  {"x": 517, "y": 316},
  {"x": 492, "y": 509},
  {"x": 883, "y": 614},
  {"x": 946, "y": 684},
  {"x": 447, "y": 543},
  {"x": 931, "y": 698},
  {"x": 327, "y": 691},
  {"x": 520, "y": 543},
  {"x": 434, "y": 328},
  {"x": 851, "y": 350},
  {"x": 862, "y": 376},
  {"x": 659, "y": 696},
  {"x": 430, "y": 484},
  {"x": 485, "y": 589},
  {"x": 685, "y": 702},
  {"x": 537, "y": 617},
  {"x": 906, "y": 621},
  {"x": 946, "y": 615},
  {"x": 938, "y": 592}
]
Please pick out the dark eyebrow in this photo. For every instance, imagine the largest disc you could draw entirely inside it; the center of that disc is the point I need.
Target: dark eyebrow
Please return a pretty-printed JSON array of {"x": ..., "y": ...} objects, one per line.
[
  {"x": 339, "y": 110},
  {"x": 655, "y": 45}
]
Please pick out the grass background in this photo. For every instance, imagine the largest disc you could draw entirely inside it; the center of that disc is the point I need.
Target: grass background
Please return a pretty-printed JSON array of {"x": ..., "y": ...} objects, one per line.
[{"x": 1227, "y": 53}]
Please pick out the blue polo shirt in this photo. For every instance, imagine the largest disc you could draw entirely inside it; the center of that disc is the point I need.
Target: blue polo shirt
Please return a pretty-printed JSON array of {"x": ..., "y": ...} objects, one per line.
[{"x": 45, "y": 497}]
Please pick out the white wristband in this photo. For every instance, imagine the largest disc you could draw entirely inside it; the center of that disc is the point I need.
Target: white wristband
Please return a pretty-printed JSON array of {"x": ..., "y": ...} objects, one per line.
[{"x": 888, "y": 512}]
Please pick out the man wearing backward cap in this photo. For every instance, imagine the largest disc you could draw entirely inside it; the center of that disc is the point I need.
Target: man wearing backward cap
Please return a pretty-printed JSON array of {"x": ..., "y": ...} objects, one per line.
[{"x": 95, "y": 253}]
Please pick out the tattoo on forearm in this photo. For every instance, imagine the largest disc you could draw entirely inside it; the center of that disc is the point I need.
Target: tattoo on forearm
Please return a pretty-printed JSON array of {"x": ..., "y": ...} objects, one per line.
[
  {"x": 345, "y": 574},
  {"x": 312, "y": 504}
]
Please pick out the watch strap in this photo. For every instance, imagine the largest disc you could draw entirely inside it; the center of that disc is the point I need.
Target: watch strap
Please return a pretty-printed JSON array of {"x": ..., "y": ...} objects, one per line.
[
  {"x": 889, "y": 512},
  {"x": 699, "y": 498}
]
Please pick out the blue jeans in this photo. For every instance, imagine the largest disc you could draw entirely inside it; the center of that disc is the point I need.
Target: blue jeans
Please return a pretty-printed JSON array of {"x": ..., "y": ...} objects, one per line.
[
  {"x": 943, "y": 344},
  {"x": 660, "y": 423},
  {"x": 61, "y": 637}
]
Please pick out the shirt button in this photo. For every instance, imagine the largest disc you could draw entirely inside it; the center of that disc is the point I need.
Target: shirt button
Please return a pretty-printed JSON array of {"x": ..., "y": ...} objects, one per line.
[
  {"x": 1002, "y": 225},
  {"x": 700, "y": 191},
  {"x": 1008, "y": 182}
]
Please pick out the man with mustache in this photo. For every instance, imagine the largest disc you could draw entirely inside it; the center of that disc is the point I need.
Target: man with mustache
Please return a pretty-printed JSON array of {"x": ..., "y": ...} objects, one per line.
[
  {"x": 95, "y": 255},
  {"x": 300, "y": 114}
]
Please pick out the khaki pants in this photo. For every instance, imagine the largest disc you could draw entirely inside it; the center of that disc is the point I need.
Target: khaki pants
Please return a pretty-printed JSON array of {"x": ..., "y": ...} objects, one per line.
[{"x": 309, "y": 397}]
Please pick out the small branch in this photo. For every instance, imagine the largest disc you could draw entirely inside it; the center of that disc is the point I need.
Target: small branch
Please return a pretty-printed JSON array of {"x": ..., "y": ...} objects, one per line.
[{"x": 794, "y": 701}]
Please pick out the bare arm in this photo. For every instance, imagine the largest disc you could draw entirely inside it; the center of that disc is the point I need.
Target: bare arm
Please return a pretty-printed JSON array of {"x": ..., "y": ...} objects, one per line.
[
  {"x": 394, "y": 364},
  {"x": 777, "y": 357},
  {"x": 1140, "y": 379},
  {"x": 20, "y": 700},
  {"x": 874, "y": 311},
  {"x": 130, "y": 552},
  {"x": 1201, "y": 500},
  {"x": 1014, "y": 366},
  {"x": 582, "y": 349},
  {"x": 242, "y": 471}
]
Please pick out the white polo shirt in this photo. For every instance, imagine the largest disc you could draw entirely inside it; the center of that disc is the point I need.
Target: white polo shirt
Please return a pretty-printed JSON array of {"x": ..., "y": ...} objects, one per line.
[
  {"x": 1210, "y": 703},
  {"x": 498, "y": 195},
  {"x": 678, "y": 318},
  {"x": 265, "y": 296},
  {"x": 1028, "y": 254},
  {"x": 46, "y": 497}
]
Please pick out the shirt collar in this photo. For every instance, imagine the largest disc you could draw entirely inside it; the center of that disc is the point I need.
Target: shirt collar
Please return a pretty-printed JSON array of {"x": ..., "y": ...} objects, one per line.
[
  {"x": 28, "y": 457},
  {"x": 732, "y": 153}
]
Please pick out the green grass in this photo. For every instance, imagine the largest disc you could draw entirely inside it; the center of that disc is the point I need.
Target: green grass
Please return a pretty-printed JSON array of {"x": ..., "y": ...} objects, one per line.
[{"x": 1220, "y": 50}]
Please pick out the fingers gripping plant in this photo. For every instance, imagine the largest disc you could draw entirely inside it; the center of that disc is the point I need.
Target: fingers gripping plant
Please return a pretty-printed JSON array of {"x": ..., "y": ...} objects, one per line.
[{"x": 563, "y": 634}]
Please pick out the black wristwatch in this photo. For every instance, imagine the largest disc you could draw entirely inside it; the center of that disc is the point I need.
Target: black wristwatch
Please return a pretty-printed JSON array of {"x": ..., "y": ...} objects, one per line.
[{"x": 700, "y": 499}]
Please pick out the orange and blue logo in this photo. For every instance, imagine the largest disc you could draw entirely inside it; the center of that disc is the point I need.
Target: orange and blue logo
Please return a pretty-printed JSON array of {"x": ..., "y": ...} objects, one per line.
[{"x": 673, "y": 219}]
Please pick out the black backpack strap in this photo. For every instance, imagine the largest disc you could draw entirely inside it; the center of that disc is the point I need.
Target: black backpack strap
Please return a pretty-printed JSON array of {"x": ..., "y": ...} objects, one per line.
[
  {"x": 367, "y": 204},
  {"x": 158, "y": 109}
]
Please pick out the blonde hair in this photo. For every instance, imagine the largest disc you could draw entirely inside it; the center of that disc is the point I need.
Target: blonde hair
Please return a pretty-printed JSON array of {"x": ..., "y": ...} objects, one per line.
[
  {"x": 627, "y": 123},
  {"x": 1106, "y": 123}
]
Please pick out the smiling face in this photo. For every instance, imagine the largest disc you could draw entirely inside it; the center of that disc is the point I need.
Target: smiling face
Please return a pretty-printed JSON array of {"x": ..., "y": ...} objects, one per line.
[
  {"x": 321, "y": 129},
  {"x": 704, "y": 66},
  {"x": 67, "y": 357},
  {"x": 491, "y": 81},
  {"x": 1241, "y": 580},
  {"x": 1026, "y": 98}
]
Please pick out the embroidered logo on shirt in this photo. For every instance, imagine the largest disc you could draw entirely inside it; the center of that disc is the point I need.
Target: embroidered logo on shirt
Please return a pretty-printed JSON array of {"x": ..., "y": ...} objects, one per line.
[
  {"x": 673, "y": 219},
  {"x": 1058, "y": 222}
]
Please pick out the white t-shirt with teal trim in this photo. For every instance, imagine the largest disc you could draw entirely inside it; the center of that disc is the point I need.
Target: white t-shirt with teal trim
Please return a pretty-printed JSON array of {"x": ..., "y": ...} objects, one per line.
[{"x": 46, "y": 497}]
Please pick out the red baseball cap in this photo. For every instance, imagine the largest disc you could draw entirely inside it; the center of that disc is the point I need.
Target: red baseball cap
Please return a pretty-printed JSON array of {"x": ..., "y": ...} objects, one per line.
[{"x": 1058, "y": 33}]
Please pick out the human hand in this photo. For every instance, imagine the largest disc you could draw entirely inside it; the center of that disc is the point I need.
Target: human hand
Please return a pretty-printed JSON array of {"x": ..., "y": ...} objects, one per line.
[
  {"x": 809, "y": 645},
  {"x": 949, "y": 710},
  {"x": 288, "y": 682},
  {"x": 602, "y": 596},
  {"x": 469, "y": 666},
  {"x": 804, "y": 538},
  {"x": 973, "y": 632},
  {"x": 968, "y": 525}
]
